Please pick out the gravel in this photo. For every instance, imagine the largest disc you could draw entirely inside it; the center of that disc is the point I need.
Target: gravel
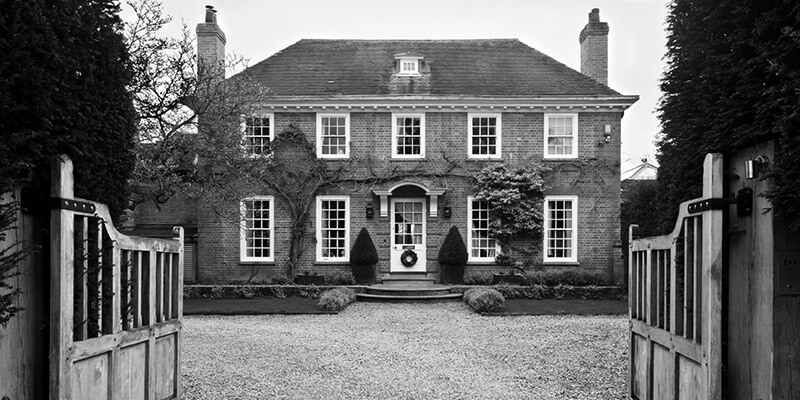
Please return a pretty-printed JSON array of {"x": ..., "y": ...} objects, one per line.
[{"x": 405, "y": 351}]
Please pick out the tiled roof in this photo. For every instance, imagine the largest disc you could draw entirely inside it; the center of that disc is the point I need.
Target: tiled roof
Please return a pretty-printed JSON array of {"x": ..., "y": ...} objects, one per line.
[{"x": 497, "y": 67}]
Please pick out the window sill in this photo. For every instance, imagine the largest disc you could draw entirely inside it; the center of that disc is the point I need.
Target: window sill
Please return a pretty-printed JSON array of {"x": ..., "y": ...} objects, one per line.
[
  {"x": 570, "y": 158},
  {"x": 561, "y": 263},
  {"x": 482, "y": 263}
]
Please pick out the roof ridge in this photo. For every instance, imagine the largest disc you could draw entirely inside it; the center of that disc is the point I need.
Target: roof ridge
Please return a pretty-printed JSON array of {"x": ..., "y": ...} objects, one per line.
[{"x": 412, "y": 40}]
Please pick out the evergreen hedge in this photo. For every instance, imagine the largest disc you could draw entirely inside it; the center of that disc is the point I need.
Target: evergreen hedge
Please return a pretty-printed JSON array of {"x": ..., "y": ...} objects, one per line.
[{"x": 363, "y": 252}]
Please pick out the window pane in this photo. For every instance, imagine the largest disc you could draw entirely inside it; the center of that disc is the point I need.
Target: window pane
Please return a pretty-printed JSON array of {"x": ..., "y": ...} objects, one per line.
[
  {"x": 481, "y": 245},
  {"x": 333, "y": 228},
  {"x": 257, "y": 231}
]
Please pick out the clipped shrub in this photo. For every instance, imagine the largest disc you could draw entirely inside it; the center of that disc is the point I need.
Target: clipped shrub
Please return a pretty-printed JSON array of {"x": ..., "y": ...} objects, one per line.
[
  {"x": 571, "y": 278},
  {"x": 485, "y": 300},
  {"x": 363, "y": 258},
  {"x": 480, "y": 279},
  {"x": 453, "y": 257},
  {"x": 336, "y": 299},
  {"x": 340, "y": 278}
]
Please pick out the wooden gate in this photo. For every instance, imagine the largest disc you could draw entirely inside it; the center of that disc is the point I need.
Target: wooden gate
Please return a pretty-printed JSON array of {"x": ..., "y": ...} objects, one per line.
[
  {"x": 676, "y": 299},
  {"x": 115, "y": 304}
]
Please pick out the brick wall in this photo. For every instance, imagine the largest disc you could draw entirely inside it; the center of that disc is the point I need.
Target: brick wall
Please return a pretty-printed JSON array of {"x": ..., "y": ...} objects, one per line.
[{"x": 593, "y": 177}]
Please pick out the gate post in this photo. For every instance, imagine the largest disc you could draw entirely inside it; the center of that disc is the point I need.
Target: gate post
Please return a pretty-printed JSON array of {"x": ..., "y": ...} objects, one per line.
[
  {"x": 62, "y": 259},
  {"x": 712, "y": 275}
]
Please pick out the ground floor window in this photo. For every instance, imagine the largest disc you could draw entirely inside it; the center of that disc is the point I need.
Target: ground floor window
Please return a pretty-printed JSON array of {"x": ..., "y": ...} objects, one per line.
[
  {"x": 333, "y": 228},
  {"x": 561, "y": 228},
  {"x": 481, "y": 247},
  {"x": 257, "y": 229}
]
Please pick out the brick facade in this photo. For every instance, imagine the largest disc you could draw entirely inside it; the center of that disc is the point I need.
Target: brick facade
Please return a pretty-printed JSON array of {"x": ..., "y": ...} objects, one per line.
[{"x": 594, "y": 176}]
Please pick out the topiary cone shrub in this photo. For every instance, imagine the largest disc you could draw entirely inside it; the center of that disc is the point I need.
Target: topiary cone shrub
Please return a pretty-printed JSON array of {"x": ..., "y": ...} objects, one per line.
[
  {"x": 363, "y": 258},
  {"x": 453, "y": 257}
]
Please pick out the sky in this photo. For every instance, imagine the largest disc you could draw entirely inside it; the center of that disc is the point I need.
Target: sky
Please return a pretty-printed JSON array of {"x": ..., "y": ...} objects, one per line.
[{"x": 257, "y": 29}]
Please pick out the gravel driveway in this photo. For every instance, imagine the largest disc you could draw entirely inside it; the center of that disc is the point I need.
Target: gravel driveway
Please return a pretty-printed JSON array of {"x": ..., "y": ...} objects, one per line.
[{"x": 404, "y": 351}]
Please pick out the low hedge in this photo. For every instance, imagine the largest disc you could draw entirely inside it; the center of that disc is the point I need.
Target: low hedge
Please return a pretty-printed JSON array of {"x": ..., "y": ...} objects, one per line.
[
  {"x": 256, "y": 291},
  {"x": 540, "y": 292},
  {"x": 485, "y": 300},
  {"x": 336, "y": 299}
]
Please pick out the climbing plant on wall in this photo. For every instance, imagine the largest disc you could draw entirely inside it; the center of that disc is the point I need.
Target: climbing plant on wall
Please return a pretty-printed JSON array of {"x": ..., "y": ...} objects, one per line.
[{"x": 515, "y": 196}]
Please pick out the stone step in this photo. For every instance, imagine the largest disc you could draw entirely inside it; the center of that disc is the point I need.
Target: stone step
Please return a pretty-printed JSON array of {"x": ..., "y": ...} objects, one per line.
[
  {"x": 398, "y": 290},
  {"x": 407, "y": 299},
  {"x": 408, "y": 282}
]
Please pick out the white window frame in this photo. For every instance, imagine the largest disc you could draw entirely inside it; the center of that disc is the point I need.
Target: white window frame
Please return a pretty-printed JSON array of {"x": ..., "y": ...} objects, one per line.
[
  {"x": 408, "y": 61},
  {"x": 574, "y": 153},
  {"x": 243, "y": 229},
  {"x": 546, "y": 233},
  {"x": 421, "y": 117},
  {"x": 470, "y": 199},
  {"x": 346, "y": 117},
  {"x": 245, "y": 135},
  {"x": 346, "y": 257},
  {"x": 498, "y": 133}
]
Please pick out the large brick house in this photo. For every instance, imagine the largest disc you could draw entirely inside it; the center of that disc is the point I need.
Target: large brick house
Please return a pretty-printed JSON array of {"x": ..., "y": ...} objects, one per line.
[{"x": 413, "y": 105}]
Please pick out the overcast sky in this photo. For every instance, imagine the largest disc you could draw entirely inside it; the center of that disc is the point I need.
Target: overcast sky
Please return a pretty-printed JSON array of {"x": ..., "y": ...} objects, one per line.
[{"x": 256, "y": 29}]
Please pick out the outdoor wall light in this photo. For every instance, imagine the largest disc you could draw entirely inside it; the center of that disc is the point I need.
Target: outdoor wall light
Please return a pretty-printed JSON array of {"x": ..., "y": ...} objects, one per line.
[
  {"x": 607, "y": 133},
  {"x": 447, "y": 212},
  {"x": 753, "y": 167},
  {"x": 370, "y": 211}
]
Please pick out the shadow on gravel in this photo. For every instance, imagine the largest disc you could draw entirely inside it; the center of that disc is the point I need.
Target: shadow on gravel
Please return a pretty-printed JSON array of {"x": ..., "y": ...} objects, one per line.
[
  {"x": 564, "y": 307},
  {"x": 289, "y": 305}
]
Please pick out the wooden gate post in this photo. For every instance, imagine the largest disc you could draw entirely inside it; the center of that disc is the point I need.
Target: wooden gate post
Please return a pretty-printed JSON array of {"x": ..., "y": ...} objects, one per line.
[
  {"x": 62, "y": 258},
  {"x": 712, "y": 276}
]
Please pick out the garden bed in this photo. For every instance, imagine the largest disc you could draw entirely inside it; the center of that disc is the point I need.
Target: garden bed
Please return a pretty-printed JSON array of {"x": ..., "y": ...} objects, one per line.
[
  {"x": 541, "y": 292},
  {"x": 258, "y": 291},
  {"x": 533, "y": 292}
]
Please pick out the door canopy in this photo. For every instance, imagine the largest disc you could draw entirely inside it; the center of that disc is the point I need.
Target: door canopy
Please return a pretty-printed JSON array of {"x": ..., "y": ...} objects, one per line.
[{"x": 431, "y": 193}]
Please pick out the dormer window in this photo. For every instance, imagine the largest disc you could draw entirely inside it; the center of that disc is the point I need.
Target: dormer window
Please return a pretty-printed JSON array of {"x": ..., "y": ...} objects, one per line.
[
  {"x": 409, "y": 67},
  {"x": 408, "y": 63}
]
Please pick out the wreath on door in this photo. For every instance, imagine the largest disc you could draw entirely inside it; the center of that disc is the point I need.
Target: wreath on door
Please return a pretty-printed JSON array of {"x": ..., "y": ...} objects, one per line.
[{"x": 408, "y": 258}]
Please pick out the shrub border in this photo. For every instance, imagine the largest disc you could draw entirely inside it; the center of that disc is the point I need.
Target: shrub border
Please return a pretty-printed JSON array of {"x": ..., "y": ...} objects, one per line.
[{"x": 534, "y": 292}]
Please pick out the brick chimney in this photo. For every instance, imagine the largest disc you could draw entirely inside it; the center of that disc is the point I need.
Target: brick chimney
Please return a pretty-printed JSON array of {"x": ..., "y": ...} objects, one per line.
[
  {"x": 210, "y": 45},
  {"x": 594, "y": 48}
]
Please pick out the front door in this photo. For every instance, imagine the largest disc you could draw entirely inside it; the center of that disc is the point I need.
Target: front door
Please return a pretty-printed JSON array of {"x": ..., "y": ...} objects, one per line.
[{"x": 408, "y": 235}]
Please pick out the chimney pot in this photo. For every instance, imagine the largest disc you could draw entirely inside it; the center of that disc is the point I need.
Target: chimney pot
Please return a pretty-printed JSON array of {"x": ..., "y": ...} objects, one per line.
[
  {"x": 594, "y": 16},
  {"x": 210, "y": 15}
]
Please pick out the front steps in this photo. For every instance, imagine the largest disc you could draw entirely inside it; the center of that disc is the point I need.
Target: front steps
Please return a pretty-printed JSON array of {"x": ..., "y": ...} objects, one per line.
[{"x": 408, "y": 288}]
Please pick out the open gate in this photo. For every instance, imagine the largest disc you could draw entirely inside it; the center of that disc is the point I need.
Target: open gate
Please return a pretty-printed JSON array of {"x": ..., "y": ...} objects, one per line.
[
  {"x": 675, "y": 301},
  {"x": 116, "y": 304}
]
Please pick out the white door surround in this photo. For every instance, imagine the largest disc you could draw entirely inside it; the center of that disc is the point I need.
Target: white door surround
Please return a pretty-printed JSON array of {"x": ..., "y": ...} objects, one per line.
[{"x": 408, "y": 235}]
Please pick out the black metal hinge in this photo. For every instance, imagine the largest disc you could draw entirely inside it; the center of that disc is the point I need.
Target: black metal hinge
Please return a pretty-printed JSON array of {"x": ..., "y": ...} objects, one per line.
[
  {"x": 57, "y": 203},
  {"x": 707, "y": 204}
]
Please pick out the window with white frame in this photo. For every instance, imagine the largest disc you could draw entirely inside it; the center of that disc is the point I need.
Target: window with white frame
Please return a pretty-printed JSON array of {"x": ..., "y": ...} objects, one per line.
[
  {"x": 257, "y": 229},
  {"x": 408, "y": 135},
  {"x": 258, "y": 132},
  {"x": 561, "y": 136},
  {"x": 333, "y": 135},
  {"x": 560, "y": 228},
  {"x": 333, "y": 228},
  {"x": 409, "y": 66},
  {"x": 484, "y": 135},
  {"x": 482, "y": 247}
]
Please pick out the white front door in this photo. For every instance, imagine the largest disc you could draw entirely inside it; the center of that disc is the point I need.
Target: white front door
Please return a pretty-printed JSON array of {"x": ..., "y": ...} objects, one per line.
[{"x": 408, "y": 235}]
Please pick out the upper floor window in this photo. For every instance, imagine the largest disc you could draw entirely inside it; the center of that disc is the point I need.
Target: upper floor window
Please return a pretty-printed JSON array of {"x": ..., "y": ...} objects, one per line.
[
  {"x": 257, "y": 231},
  {"x": 333, "y": 228},
  {"x": 560, "y": 228},
  {"x": 482, "y": 247},
  {"x": 333, "y": 135},
  {"x": 484, "y": 135},
  {"x": 560, "y": 135},
  {"x": 258, "y": 133},
  {"x": 409, "y": 66},
  {"x": 408, "y": 135}
]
